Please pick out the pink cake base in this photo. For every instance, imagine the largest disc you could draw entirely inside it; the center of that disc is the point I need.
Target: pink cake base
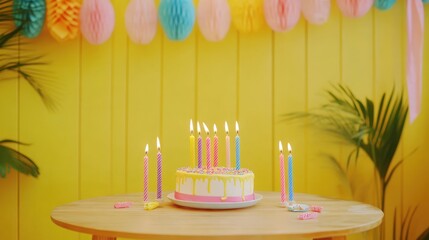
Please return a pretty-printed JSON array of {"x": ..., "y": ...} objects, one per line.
[{"x": 194, "y": 198}]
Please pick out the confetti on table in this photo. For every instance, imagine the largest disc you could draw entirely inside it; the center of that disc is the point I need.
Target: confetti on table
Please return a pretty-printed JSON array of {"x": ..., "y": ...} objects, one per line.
[
  {"x": 307, "y": 215},
  {"x": 316, "y": 209},
  {"x": 151, "y": 205},
  {"x": 123, "y": 204}
]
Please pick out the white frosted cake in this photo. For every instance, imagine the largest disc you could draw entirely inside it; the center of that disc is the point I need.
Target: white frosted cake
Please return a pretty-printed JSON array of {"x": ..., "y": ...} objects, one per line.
[{"x": 217, "y": 184}]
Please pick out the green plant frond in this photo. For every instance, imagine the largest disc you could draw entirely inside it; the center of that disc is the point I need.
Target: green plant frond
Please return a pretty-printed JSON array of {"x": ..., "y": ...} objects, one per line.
[
  {"x": 394, "y": 223},
  {"x": 5, "y": 141},
  {"x": 424, "y": 235},
  {"x": 12, "y": 158},
  {"x": 410, "y": 220}
]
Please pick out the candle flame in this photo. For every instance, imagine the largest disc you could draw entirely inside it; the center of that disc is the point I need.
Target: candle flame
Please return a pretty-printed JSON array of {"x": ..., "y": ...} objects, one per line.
[
  {"x": 214, "y": 128},
  {"x": 206, "y": 128},
  {"x": 191, "y": 126},
  {"x": 147, "y": 148},
  {"x": 280, "y": 146},
  {"x": 198, "y": 127},
  {"x": 289, "y": 148},
  {"x": 226, "y": 128},
  {"x": 157, "y": 143},
  {"x": 236, "y": 126}
]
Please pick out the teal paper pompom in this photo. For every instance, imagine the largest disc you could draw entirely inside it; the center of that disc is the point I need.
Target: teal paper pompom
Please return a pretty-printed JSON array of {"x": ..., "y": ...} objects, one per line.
[
  {"x": 384, "y": 4},
  {"x": 425, "y": 1},
  {"x": 30, "y": 15},
  {"x": 177, "y": 18}
]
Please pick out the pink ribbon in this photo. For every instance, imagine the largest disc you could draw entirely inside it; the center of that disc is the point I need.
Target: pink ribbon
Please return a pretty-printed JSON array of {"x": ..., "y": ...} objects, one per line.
[{"x": 415, "y": 24}]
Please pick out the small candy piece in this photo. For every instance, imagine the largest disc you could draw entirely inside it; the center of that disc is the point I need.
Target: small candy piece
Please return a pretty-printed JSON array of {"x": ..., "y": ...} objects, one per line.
[
  {"x": 307, "y": 215},
  {"x": 151, "y": 205},
  {"x": 316, "y": 209},
  {"x": 123, "y": 204}
]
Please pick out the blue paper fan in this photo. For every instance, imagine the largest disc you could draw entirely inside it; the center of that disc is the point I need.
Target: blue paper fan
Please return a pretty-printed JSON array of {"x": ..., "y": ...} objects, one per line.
[
  {"x": 177, "y": 18},
  {"x": 30, "y": 14}
]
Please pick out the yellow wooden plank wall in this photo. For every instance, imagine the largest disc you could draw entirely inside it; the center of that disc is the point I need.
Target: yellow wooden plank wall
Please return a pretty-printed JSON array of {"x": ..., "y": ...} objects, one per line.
[{"x": 116, "y": 97}]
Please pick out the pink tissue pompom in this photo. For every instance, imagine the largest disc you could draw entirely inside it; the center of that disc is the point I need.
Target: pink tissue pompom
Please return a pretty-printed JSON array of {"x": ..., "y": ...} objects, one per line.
[
  {"x": 141, "y": 20},
  {"x": 282, "y": 15},
  {"x": 354, "y": 8},
  {"x": 316, "y": 11},
  {"x": 214, "y": 19},
  {"x": 97, "y": 20},
  {"x": 247, "y": 15}
]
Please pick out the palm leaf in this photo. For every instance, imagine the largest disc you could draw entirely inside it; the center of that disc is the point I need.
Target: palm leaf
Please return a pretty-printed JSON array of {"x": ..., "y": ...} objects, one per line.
[{"x": 12, "y": 158}]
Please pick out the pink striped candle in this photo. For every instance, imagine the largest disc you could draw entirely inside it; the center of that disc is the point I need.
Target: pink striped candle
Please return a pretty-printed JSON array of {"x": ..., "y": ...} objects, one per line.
[
  {"x": 146, "y": 175},
  {"x": 200, "y": 147},
  {"x": 282, "y": 175},
  {"x": 208, "y": 147},
  {"x": 215, "y": 147},
  {"x": 159, "y": 172},
  {"x": 228, "y": 150}
]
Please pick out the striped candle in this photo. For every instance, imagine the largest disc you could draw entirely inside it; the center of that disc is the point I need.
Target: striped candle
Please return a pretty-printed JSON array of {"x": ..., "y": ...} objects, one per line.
[
  {"x": 215, "y": 148},
  {"x": 282, "y": 175},
  {"x": 290, "y": 171},
  {"x": 208, "y": 147},
  {"x": 159, "y": 172},
  {"x": 237, "y": 148},
  {"x": 146, "y": 175},
  {"x": 227, "y": 150},
  {"x": 200, "y": 147},
  {"x": 192, "y": 146}
]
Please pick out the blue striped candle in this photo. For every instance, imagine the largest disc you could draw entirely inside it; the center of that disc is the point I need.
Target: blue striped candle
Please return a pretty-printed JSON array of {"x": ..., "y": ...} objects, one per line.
[
  {"x": 290, "y": 173},
  {"x": 237, "y": 149}
]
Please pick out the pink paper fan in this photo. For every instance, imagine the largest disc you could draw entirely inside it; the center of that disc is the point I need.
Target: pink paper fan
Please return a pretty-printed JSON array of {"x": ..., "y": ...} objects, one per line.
[
  {"x": 214, "y": 19},
  {"x": 97, "y": 20},
  {"x": 316, "y": 11},
  {"x": 247, "y": 15},
  {"x": 354, "y": 8},
  {"x": 141, "y": 21},
  {"x": 282, "y": 15}
]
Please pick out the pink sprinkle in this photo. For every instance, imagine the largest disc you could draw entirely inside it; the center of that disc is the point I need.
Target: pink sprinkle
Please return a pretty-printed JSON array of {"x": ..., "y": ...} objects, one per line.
[
  {"x": 307, "y": 215},
  {"x": 123, "y": 204},
  {"x": 316, "y": 209}
]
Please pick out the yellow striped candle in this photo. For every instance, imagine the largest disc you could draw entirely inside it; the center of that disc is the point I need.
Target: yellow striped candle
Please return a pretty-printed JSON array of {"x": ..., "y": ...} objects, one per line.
[{"x": 192, "y": 146}]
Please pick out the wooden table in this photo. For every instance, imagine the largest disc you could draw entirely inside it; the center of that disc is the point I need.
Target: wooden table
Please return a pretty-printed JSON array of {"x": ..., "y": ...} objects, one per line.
[{"x": 265, "y": 220}]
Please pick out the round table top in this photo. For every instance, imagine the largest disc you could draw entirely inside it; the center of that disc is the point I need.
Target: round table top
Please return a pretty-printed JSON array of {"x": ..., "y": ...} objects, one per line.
[{"x": 97, "y": 216}]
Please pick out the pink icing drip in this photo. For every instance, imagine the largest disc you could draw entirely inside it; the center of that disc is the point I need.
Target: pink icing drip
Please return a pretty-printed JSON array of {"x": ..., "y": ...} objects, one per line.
[{"x": 196, "y": 198}]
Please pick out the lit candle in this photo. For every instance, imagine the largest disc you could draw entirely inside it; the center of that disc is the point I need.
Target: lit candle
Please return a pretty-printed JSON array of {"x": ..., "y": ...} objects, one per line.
[
  {"x": 208, "y": 147},
  {"x": 200, "y": 147},
  {"x": 228, "y": 160},
  {"x": 192, "y": 146},
  {"x": 290, "y": 166},
  {"x": 146, "y": 175},
  {"x": 159, "y": 172},
  {"x": 282, "y": 174},
  {"x": 215, "y": 147},
  {"x": 237, "y": 148}
]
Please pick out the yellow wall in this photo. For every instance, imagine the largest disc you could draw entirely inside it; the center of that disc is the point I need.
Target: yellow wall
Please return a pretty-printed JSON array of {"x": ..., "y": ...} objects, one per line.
[{"x": 115, "y": 98}]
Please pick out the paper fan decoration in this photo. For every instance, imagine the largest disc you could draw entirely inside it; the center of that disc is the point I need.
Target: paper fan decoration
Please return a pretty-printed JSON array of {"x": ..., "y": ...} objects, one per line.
[
  {"x": 97, "y": 20},
  {"x": 214, "y": 19},
  {"x": 30, "y": 14},
  {"x": 384, "y": 4},
  {"x": 177, "y": 18},
  {"x": 354, "y": 8},
  {"x": 247, "y": 15},
  {"x": 282, "y": 15},
  {"x": 63, "y": 19},
  {"x": 141, "y": 21},
  {"x": 316, "y": 11}
]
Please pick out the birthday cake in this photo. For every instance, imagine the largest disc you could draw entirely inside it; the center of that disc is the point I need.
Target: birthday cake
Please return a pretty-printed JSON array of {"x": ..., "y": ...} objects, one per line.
[{"x": 218, "y": 184}]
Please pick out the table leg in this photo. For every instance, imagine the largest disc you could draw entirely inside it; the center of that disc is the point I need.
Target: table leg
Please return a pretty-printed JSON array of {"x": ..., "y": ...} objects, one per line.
[
  {"x": 332, "y": 238},
  {"x": 94, "y": 237}
]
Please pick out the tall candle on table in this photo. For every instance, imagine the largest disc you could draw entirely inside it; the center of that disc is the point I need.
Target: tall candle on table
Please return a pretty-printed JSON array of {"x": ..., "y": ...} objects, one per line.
[
  {"x": 192, "y": 146},
  {"x": 208, "y": 146},
  {"x": 215, "y": 147},
  {"x": 159, "y": 170},
  {"x": 290, "y": 173},
  {"x": 282, "y": 174},
  {"x": 237, "y": 148},
  {"x": 227, "y": 150},
  {"x": 200, "y": 146},
  {"x": 146, "y": 175}
]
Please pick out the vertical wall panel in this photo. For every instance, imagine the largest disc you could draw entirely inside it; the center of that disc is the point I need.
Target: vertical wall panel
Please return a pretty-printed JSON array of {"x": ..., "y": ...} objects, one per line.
[
  {"x": 178, "y": 104},
  {"x": 255, "y": 94},
  {"x": 217, "y": 88},
  {"x": 53, "y": 136},
  {"x": 95, "y": 119},
  {"x": 290, "y": 87}
]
